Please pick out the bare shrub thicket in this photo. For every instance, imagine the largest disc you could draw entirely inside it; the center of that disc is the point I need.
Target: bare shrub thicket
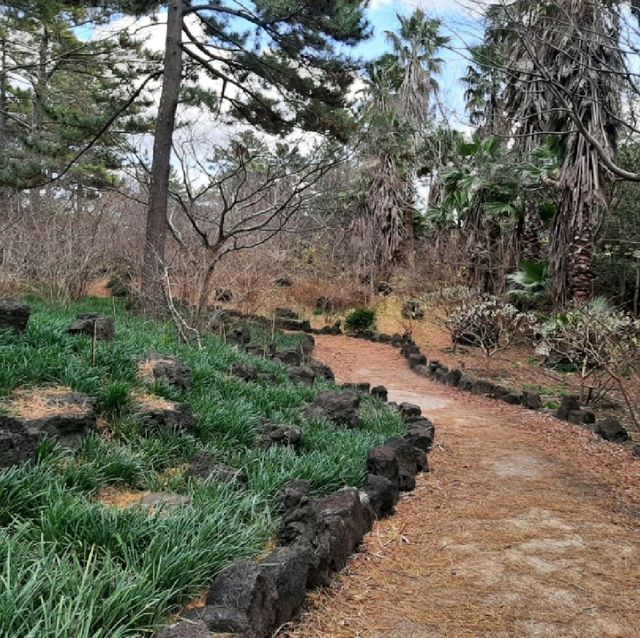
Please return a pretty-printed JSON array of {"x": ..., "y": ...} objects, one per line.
[
  {"x": 602, "y": 344},
  {"x": 56, "y": 249},
  {"x": 489, "y": 324}
]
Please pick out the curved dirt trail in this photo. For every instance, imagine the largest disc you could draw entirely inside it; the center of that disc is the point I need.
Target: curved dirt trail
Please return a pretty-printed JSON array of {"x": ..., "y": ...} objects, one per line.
[{"x": 525, "y": 527}]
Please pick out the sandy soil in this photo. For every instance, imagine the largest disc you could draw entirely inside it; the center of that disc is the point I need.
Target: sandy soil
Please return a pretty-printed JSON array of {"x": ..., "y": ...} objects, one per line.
[{"x": 525, "y": 526}]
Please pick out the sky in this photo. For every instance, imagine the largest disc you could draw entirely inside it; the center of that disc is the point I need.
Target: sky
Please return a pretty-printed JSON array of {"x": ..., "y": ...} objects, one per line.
[{"x": 460, "y": 21}]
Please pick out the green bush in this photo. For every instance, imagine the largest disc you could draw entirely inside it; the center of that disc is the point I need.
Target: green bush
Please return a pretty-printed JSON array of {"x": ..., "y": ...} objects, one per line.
[{"x": 361, "y": 319}]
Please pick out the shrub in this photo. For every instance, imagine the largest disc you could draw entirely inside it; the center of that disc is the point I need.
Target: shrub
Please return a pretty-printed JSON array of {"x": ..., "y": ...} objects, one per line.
[
  {"x": 599, "y": 342},
  {"x": 487, "y": 323},
  {"x": 361, "y": 319},
  {"x": 446, "y": 302}
]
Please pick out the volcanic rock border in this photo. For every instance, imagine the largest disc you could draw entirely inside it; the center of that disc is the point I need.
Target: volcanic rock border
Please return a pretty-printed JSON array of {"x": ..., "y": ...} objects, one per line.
[
  {"x": 317, "y": 536},
  {"x": 608, "y": 428}
]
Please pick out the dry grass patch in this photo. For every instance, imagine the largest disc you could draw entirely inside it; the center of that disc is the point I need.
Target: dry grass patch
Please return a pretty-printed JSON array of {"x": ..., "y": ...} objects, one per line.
[
  {"x": 151, "y": 401},
  {"x": 120, "y": 498},
  {"x": 42, "y": 402}
]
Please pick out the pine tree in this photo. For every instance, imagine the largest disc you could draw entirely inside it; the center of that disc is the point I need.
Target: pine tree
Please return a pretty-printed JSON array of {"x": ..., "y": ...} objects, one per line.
[
  {"x": 64, "y": 99},
  {"x": 278, "y": 65}
]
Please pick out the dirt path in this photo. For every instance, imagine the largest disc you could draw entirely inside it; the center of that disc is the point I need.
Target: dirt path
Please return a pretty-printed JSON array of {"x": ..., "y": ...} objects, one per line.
[{"x": 525, "y": 526}]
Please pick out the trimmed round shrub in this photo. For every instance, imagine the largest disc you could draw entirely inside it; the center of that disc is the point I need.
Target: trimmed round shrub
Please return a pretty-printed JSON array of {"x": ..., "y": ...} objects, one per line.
[{"x": 361, "y": 319}]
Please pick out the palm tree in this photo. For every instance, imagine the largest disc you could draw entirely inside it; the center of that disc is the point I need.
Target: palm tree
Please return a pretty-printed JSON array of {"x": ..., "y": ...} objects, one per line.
[
  {"x": 379, "y": 229},
  {"x": 397, "y": 115},
  {"x": 415, "y": 47},
  {"x": 482, "y": 193},
  {"x": 564, "y": 78}
]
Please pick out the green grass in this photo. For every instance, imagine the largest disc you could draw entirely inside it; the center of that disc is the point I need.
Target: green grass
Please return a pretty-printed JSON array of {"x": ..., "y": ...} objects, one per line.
[{"x": 71, "y": 567}]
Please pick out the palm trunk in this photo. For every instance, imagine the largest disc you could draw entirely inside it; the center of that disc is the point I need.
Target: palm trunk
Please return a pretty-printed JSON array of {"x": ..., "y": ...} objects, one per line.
[
  {"x": 581, "y": 273},
  {"x": 532, "y": 234}
]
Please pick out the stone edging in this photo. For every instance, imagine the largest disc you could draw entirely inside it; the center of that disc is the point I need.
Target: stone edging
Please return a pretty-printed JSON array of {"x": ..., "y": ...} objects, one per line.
[
  {"x": 609, "y": 428},
  {"x": 316, "y": 537}
]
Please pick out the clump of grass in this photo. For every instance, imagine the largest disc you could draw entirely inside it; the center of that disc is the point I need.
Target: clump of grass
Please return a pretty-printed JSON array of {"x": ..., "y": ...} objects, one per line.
[{"x": 115, "y": 398}]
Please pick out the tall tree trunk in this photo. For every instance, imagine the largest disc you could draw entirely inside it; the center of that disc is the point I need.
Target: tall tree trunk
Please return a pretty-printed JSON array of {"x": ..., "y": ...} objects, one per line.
[
  {"x": 409, "y": 217},
  {"x": 40, "y": 95},
  {"x": 156, "y": 233},
  {"x": 3, "y": 91},
  {"x": 410, "y": 241}
]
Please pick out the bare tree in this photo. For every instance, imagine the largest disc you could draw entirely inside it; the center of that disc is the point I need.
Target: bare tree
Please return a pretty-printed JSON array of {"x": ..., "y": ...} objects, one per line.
[{"x": 244, "y": 195}]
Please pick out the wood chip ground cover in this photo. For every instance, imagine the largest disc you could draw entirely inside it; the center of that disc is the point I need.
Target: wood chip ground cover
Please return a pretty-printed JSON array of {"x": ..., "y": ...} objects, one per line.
[{"x": 525, "y": 527}]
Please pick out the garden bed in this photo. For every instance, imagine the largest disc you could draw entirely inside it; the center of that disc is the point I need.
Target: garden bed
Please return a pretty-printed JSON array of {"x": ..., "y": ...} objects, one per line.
[{"x": 79, "y": 564}]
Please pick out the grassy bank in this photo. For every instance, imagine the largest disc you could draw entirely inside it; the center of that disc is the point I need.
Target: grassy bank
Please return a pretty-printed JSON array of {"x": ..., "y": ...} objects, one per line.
[{"x": 75, "y": 567}]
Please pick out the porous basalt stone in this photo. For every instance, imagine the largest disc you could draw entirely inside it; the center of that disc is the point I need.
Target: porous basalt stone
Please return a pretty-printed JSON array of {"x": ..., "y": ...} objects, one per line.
[
  {"x": 382, "y": 493},
  {"x": 416, "y": 360},
  {"x": 294, "y": 324},
  {"x": 321, "y": 370},
  {"x": 531, "y": 400},
  {"x": 270, "y": 434},
  {"x": 568, "y": 404},
  {"x": 240, "y": 335},
  {"x": 185, "y": 629},
  {"x": 289, "y": 357},
  {"x": 362, "y": 388},
  {"x": 242, "y": 599},
  {"x": 382, "y": 461},
  {"x": 441, "y": 375},
  {"x": 408, "y": 410},
  {"x": 410, "y": 460},
  {"x": 14, "y": 315},
  {"x": 302, "y": 375},
  {"x": 466, "y": 382},
  {"x": 92, "y": 325},
  {"x": 59, "y": 414},
  {"x": 612, "y": 430},
  {"x": 286, "y": 313},
  {"x": 482, "y": 387},
  {"x": 335, "y": 330},
  {"x": 453, "y": 378},
  {"x": 341, "y": 408},
  {"x": 167, "y": 370},
  {"x": 244, "y": 371},
  {"x": 581, "y": 417},
  {"x": 288, "y": 568},
  {"x": 161, "y": 416},
  {"x": 421, "y": 436},
  {"x": 409, "y": 349},
  {"x": 380, "y": 392},
  {"x": 331, "y": 527}
]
